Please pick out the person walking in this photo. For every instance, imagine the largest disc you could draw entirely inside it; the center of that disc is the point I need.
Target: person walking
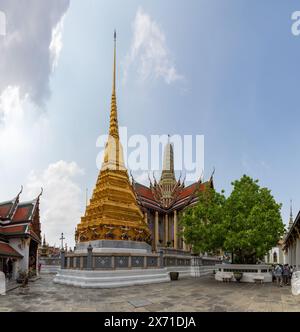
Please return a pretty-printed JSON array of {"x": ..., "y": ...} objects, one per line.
[
  {"x": 291, "y": 274},
  {"x": 278, "y": 274},
  {"x": 286, "y": 274},
  {"x": 273, "y": 273}
]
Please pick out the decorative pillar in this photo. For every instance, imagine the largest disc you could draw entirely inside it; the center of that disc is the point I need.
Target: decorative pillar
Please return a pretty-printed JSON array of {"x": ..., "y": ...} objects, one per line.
[
  {"x": 166, "y": 229},
  {"x": 62, "y": 259},
  {"x": 297, "y": 246},
  {"x": 175, "y": 230},
  {"x": 156, "y": 230},
  {"x": 294, "y": 253},
  {"x": 90, "y": 257},
  {"x": 161, "y": 259},
  {"x": 146, "y": 218},
  {"x": 184, "y": 244},
  {"x": 2, "y": 284}
]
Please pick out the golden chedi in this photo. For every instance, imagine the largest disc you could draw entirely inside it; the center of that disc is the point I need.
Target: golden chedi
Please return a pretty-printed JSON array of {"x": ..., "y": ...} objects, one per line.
[{"x": 113, "y": 212}]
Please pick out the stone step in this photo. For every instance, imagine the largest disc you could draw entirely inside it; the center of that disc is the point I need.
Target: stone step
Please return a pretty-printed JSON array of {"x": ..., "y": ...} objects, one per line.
[{"x": 108, "y": 279}]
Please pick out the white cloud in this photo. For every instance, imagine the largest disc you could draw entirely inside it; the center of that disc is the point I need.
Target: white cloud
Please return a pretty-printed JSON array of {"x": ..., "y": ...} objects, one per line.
[
  {"x": 62, "y": 201},
  {"x": 26, "y": 60},
  {"x": 142, "y": 178},
  {"x": 56, "y": 44},
  {"x": 21, "y": 126},
  {"x": 149, "y": 53}
]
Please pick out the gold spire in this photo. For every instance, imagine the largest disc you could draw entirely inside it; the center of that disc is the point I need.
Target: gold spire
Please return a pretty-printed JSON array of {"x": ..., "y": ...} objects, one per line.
[
  {"x": 114, "y": 127},
  {"x": 113, "y": 212}
]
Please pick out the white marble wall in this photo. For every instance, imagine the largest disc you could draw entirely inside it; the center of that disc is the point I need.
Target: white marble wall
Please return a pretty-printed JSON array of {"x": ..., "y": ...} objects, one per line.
[
  {"x": 293, "y": 254},
  {"x": 2, "y": 284},
  {"x": 23, "y": 248},
  {"x": 297, "y": 260}
]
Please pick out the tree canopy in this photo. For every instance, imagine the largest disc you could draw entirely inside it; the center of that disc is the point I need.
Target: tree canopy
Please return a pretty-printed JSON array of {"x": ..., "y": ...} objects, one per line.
[{"x": 248, "y": 223}]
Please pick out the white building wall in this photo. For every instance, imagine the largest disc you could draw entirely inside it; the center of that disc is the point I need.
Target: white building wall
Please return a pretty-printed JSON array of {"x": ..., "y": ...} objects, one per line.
[
  {"x": 294, "y": 254},
  {"x": 269, "y": 258},
  {"x": 288, "y": 257},
  {"x": 21, "y": 246},
  {"x": 297, "y": 258}
]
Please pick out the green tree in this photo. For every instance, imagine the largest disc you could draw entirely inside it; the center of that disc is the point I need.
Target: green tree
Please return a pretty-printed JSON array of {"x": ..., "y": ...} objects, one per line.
[
  {"x": 252, "y": 221},
  {"x": 202, "y": 223},
  {"x": 247, "y": 224}
]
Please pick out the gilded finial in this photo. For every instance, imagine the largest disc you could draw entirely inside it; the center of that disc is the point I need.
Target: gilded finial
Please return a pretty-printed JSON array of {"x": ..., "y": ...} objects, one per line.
[{"x": 114, "y": 128}]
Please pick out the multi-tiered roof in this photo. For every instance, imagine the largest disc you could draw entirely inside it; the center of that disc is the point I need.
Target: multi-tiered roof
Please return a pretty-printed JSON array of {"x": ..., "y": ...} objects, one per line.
[
  {"x": 18, "y": 220},
  {"x": 168, "y": 194}
]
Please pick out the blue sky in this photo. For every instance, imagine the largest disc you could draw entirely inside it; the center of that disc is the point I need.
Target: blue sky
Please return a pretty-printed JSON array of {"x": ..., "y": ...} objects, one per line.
[{"x": 237, "y": 67}]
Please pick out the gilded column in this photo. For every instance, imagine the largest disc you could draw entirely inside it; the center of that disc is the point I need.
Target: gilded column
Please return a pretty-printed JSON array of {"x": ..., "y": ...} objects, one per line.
[
  {"x": 175, "y": 229},
  {"x": 166, "y": 229},
  {"x": 156, "y": 230},
  {"x": 146, "y": 217}
]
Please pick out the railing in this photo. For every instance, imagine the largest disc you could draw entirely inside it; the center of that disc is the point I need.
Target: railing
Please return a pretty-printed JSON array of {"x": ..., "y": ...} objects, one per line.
[
  {"x": 50, "y": 261},
  {"x": 250, "y": 268},
  {"x": 105, "y": 261},
  {"x": 111, "y": 261}
]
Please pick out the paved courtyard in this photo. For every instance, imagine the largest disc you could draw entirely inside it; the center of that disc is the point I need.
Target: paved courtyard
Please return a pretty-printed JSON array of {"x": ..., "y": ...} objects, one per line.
[{"x": 203, "y": 294}]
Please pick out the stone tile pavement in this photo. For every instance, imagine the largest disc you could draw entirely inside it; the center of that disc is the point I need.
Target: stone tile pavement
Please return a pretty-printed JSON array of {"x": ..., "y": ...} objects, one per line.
[{"x": 184, "y": 295}]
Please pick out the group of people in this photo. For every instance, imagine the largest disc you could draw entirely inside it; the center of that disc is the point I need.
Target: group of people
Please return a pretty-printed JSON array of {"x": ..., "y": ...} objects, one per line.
[{"x": 282, "y": 274}]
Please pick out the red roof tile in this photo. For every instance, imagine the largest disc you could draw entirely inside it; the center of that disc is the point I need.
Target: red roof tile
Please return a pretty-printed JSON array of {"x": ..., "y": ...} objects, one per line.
[
  {"x": 5, "y": 209},
  {"x": 7, "y": 250},
  {"x": 23, "y": 212},
  {"x": 144, "y": 191},
  {"x": 13, "y": 229},
  {"x": 188, "y": 191}
]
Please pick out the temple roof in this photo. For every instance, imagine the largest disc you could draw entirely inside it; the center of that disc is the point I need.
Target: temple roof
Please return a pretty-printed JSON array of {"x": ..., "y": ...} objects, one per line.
[
  {"x": 292, "y": 233},
  {"x": 5, "y": 209},
  {"x": 183, "y": 197},
  {"x": 19, "y": 219},
  {"x": 24, "y": 211},
  {"x": 7, "y": 250}
]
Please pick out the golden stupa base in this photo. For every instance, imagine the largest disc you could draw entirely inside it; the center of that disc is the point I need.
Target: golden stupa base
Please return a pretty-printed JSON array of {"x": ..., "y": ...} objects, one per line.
[{"x": 114, "y": 246}]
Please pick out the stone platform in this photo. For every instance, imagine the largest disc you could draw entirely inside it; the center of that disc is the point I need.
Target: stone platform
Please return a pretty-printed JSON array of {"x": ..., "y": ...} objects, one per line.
[
  {"x": 87, "y": 267},
  {"x": 111, "y": 279}
]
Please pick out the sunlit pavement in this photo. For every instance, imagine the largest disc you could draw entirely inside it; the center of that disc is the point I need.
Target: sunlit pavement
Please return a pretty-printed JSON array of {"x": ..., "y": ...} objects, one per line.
[{"x": 192, "y": 294}]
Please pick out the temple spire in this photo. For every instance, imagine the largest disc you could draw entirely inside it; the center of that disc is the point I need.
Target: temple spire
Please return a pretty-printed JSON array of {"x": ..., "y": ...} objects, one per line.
[
  {"x": 168, "y": 162},
  {"x": 114, "y": 127},
  {"x": 291, "y": 215}
]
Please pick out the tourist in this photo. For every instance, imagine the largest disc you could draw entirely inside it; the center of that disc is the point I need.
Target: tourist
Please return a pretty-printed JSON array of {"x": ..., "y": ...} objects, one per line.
[
  {"x": 273, "y": 273},
  {"x": 291, "y": 273},
  {"x": 286, "y": 274},
  {"x": 278, "y": 275}
]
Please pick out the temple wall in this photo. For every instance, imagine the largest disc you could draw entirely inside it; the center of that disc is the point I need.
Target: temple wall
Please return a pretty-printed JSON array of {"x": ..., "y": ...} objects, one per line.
[{"x": 21, "y": 246}]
